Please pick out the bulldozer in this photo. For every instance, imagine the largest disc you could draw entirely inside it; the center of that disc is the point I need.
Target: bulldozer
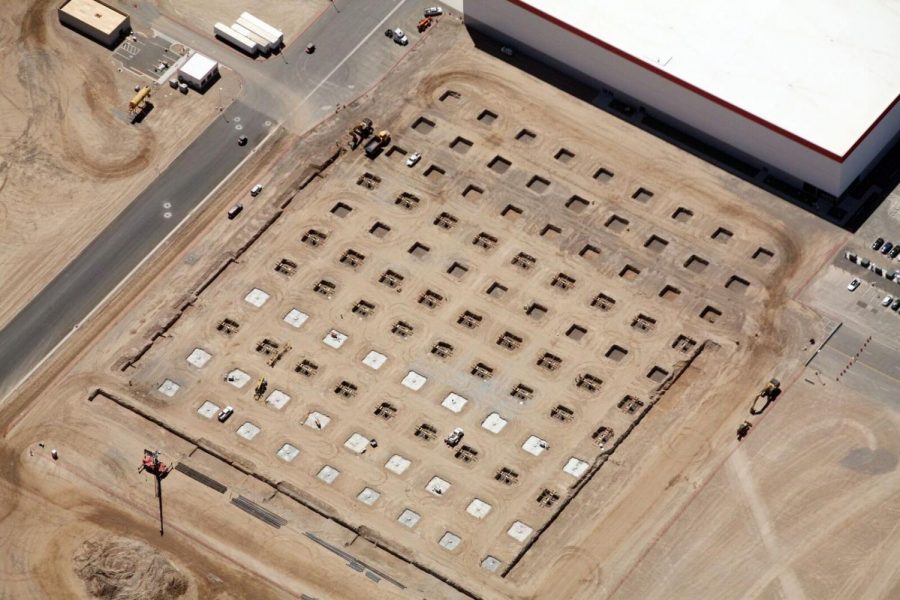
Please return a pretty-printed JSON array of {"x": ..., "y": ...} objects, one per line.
[
  {"x": 768, "y": 394},
  {"x": 362, "y": 130}
]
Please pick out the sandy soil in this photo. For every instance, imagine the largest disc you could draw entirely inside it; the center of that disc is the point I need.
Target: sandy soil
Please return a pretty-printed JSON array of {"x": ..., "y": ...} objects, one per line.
[
  {"x": 674, "y": 511},
  {"x": 68, "y": 161},
  {"x": 291, "y": 18}
]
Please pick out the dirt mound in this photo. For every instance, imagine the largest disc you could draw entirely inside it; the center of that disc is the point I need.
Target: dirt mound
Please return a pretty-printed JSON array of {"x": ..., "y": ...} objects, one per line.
[{"x": 117, "y": 568}]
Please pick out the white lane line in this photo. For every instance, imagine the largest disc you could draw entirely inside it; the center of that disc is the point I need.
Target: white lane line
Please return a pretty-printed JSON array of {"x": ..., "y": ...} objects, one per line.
[
  {"x": 344, "y": 60},
  {"x": 136, "y": 268}
]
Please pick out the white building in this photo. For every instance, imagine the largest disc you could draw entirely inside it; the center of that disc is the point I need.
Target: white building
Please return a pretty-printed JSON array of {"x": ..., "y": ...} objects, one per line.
[
  {"x": 198, "y": 71},
  {"x": 808, "y": 88},
  {"x": 95, "y": 20}
]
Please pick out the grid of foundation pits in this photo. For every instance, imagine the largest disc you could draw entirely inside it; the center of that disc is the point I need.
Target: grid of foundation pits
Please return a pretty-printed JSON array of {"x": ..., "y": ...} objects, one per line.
[{"x": 448, "y": 348}]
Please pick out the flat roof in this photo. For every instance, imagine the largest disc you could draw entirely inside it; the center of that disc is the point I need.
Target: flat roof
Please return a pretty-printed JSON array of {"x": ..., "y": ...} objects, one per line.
[
  {"x": 198, "y": 66},
  {"x": 823, "y": 72},
  {"x": 97, "y": 15}
]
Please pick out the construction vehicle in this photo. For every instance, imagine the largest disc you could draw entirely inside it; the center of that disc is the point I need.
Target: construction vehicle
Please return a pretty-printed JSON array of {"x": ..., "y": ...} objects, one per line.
[
  {"x": 139, "y": 103},
  {"x": 362, "y": 130},
  {"x": 424, "y": 24},
  {"x": 768, "y": 394},
  {"x": 260, "y": 389},
  {"x": 374, "y": 146},
  {"x": 152, "y": 465},
  {"x": 743, "y": 429}
]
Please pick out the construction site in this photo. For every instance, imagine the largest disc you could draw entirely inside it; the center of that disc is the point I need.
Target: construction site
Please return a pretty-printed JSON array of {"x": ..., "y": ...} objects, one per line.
[{"x": 459, "y": 344}]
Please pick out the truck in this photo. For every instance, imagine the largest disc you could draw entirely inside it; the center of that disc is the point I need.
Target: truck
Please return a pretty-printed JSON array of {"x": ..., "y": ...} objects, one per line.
[
  {"x": 139, "y": 103},
  {"x": 263, "y": 29},
  {"x": 241, "y": 42},
  {"x": 263, "y": 44},
  {"x": 378, "y": 141}
]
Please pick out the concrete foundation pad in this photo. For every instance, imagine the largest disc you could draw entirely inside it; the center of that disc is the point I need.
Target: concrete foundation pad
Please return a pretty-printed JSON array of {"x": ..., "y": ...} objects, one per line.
[
  {"x": 248, "y": 431},
  {"x": 328, "y": 474},
  {"x": 397, "y": 464},
  {"x": 169, "y": 388},
  {"x": 317, "y": 420},
  {"x": 368, "y": 496},
  {"x": 414, "y": 381},
  {"x": 494, "y": 423},
  {"x": 374, "y": 360},
  {"x": 198, "y": 358},
  {"x": 208, "y": 410},
  {"x": 409, "y": 518},
  {"x": 449, "y": 541},
  {"x": 535, "y": 445},
  {"x": 519, "y": 531},
  {"x": 438, "y": 486},
  {"x": 335, "y": 339},
  {"x": 237, "y": 378},
  {"x": 357, "y": 443},
  {"x": 295, "y": 318},
  {"x": 478, "y": 508},
  {"x": 576, "y": 467},
  {"x": 288, "y": 452},
  {"x": 454, "y": 402},
  {"x": 277, "y": 399},
  {"x": 256, "y": 297}
]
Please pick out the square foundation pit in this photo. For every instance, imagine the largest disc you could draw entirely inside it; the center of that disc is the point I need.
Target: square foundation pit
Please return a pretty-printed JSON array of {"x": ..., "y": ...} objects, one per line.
[
  {"x": 368, "y": 496},
  {"x": 535, "y": 445},
  {"x": 317, "y": 420},
  {"x": 198, "y": 358},
  {"x": 170, "y": 388},
  {"x": 478, "y": 508},
  {"x": 438, "y": 486},
  {"x": 288, "y": 452},
  {"x": 409, "y": 518},
  {"x": 257, "y": 297},
  {"x": 575, "y": 467},
  {"x": 449, "y": 541},
  {"x": 248, "y": 430},
  {"x": 397, "y": 464},
  {"x": 334, "y": 339},
  {"x": 494, "y": 423},
  {"x": 277, "y": 399},
  {"x": 519, "y": 531},
  {"x": 237, "y": 378},
  {"x": 454, "y": 402},
  {"x": 357, "y": 443},
  {"x": 490, "y": 564},
  {"x": 374, "y": 360},
  {"x": 295, "y": 318},
  {"x": 328, "y": 474},
  {"x": 208, "y": 410},
  {"x": 414, "y": 381}
]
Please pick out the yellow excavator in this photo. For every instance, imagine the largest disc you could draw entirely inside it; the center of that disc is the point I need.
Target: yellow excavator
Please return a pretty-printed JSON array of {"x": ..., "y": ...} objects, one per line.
[
  {"x": 767, "y": 395},
  {"x": 139, "y": 103},
  {"x": 360, "y": 132}
]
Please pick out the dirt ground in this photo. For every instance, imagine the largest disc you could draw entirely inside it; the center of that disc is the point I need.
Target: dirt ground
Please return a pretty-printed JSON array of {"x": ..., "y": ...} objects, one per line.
[
  {"x": 589, "y": 225},
  {"x": 69, "y": 162},
  {"x": 291, "y": 19}
]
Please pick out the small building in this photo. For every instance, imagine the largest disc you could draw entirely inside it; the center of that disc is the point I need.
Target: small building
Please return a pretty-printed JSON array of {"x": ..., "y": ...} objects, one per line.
[
  {"x": 198, "y": 71},
  {"x": 96, "y": 20}
]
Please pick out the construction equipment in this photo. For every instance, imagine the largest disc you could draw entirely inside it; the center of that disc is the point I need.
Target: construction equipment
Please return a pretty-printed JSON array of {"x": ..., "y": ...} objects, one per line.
[
  {"x": 362, "y": 130},
  {"x": 424, "y": 24},
  {"x": 381, "y": 139},
  {"x": 768, "y": 394},
  {"x": 260, "y": 389},
  {"x": 152, "y": 464},
  {"x": 743, "y": 429},
  {"x": 139, "y": 103}
]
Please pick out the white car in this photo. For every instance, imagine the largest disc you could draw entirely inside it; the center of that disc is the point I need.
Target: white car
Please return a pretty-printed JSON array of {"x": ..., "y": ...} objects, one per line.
[
  {"x": 434, "y": 11},
  {"x": 853, "y": 284},
  {"x": 413, "y": 159},
  {"x": 255, "y": 191},
  {"x": 887, "y": 300},
  {"x": 399, "y": 37},
  {"x": 226, "y": 414}
]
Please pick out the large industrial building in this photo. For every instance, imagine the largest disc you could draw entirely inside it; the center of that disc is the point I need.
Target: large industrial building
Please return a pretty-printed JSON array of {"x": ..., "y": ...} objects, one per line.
[
  {"x": 95, "y": 20},
  {"x": 808, "y": 89}
]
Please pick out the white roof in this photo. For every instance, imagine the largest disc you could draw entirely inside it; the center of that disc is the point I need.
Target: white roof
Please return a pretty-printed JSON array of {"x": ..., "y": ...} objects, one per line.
[
  {"x": 198, "y": 66},
  {"x": 822, "y": 70}
]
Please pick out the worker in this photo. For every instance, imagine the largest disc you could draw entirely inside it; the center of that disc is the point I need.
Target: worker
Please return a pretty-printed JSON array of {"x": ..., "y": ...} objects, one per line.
[{"x": 54, "y": 454}]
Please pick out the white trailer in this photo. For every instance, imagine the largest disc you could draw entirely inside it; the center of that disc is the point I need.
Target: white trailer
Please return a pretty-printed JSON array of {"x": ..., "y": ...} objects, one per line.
[
  {"x": 236, "y": 39},
  {"x": 264, "y": 45},
  {"x": 262, "y": 28}
]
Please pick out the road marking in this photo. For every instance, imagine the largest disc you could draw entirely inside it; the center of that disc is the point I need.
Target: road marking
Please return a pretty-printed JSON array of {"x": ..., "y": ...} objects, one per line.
[
  {"x": 344, "y": 60},
  {"x": 125, "y": 279}
]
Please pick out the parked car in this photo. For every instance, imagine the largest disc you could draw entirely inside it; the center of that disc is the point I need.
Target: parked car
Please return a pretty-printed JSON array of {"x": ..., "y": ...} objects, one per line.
[
  {"x": 887, "y": 300},
  {"x": 896, "y": 251},
  {"x": 235, "y": 211},
  {"x": 434, "y": 11},
  {"x": 853, "y": 284},
  {"x": 877, "y": 243},
  {"x": 888, "y": 246},
  {"x": 256, "y": 189},
  {"x": 413, "y": 159},
  {"x": 896, "y": 305},
  {"x": 398, "y": 36},
  {"x": 242, "y": 140},
  {"x": 225, "y": 414}
]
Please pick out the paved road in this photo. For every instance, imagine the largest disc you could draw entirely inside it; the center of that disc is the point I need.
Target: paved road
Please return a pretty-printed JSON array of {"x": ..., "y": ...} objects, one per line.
[{"x": 293, "y": 89}]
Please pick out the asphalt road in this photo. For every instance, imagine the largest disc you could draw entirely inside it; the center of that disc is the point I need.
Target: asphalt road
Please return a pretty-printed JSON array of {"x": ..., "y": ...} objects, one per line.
[{"x": 293, "y": 89}]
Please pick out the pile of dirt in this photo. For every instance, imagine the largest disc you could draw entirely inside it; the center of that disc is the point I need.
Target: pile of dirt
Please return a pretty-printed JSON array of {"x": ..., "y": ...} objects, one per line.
[{"x": 118, "y": 568}]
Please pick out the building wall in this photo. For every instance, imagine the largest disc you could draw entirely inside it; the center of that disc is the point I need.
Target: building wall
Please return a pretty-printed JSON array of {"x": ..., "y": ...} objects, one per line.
[{"x": 719, "y": 125}]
